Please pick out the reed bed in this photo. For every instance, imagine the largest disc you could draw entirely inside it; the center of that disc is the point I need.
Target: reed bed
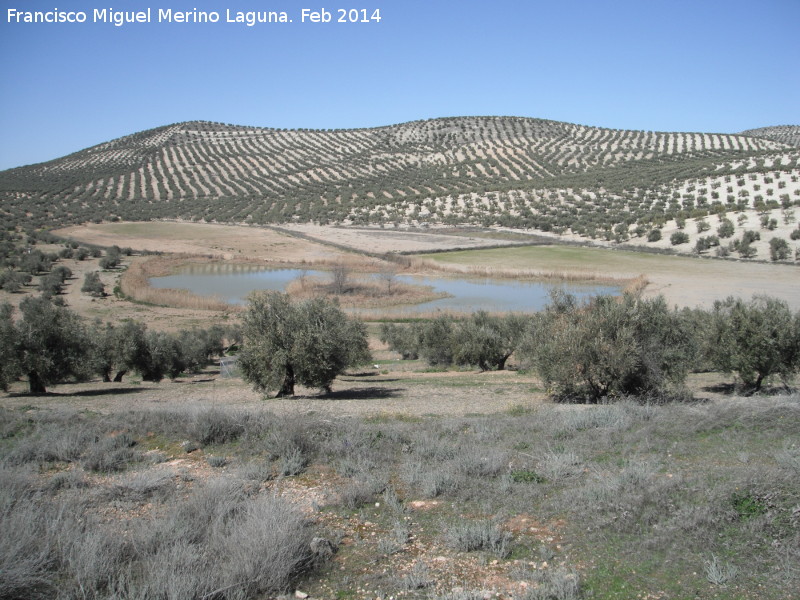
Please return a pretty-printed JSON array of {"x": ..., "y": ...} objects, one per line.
[
  {"x": 636, "y": 285},
  {"x": 135, "y": 284},
  {"x": 427, "y": 264},
  {"x": 361, "y": 293}
]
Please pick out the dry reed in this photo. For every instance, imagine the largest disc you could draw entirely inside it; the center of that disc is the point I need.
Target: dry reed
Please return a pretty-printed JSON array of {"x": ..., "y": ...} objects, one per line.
[
  {"x": 427, "y": 264},
  {"x": 135, "y": 284},
  {"x": 360, "y": 293}
]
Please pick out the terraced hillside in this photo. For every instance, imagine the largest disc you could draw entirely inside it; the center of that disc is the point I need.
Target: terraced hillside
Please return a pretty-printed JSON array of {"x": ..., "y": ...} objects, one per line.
[{"x": 516, "y": 172}]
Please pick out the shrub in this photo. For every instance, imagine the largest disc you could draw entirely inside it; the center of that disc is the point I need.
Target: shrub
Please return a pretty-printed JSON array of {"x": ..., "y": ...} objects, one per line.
[
  {"x": 216, "y": 543},
  {"x": 110, "y": 454},
  {"x": 526, "y": 476},
  {"x": 215, "y": 426},
  {"x": 483, "y": 534},
  {"x": 216, "y": 462},
  {"x": 679, "y": 237}
]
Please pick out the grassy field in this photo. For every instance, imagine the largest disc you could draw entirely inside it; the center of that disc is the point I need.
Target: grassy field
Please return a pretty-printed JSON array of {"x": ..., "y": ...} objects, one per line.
[{"x": 563, "y": 258}]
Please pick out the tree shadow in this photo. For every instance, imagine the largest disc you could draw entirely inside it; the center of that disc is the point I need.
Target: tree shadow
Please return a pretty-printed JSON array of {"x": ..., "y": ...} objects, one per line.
[
  {"x": 363, "y": 374},
  {"x": 84, "y": 393},
  {"x": 738, "y": 389},
  {"x": 392, "y": 380},
  {"x": 368, "y": 393},
  {"x": 728, "y": 389}
]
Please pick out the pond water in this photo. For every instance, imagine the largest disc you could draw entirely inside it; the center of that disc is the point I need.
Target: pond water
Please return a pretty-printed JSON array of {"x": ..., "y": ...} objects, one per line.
[{"x": 233, "y": 283}]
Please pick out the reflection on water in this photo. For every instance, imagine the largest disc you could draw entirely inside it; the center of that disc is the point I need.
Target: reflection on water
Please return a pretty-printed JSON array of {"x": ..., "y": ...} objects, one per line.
[{"x": 233, "y": 282}]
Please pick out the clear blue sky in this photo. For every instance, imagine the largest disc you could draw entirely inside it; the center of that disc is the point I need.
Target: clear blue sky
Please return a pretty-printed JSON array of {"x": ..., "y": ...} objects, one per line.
[{"x": 676, "y": 65}]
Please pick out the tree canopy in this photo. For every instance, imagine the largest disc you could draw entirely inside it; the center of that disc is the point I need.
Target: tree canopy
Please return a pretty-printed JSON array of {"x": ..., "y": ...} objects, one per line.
[
  {"x": 756, "y": 338},
  {"x": 49, "y": 344},
  {"x": 309, "y": 342}
]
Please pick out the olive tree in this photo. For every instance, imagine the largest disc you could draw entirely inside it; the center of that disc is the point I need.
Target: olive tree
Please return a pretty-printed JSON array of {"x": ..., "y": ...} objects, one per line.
[
  {"x": 9, "y": 360},
  {"x": 92, "y": 285},
  {"x": 119, "y": 349},
  {"x": 487, "y": 341},
  {"x": 756, "y": 338},
  {"x": 436, "y": 341},
  {"x": 309, "y": 342},
  {"x": 404, "y": 339},
  {"x": 609, "y": 347},
  {"x": 49, "y": 343}
]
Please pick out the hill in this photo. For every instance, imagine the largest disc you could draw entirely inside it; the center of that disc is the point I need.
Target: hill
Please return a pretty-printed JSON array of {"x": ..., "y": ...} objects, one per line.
[
  {"x": 787, "y": 134},
  {"x": 516, "y": 172}
]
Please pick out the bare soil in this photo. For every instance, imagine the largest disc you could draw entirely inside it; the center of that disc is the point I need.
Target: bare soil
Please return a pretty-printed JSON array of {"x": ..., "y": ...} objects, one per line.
[
  {"x": 394, "y": 240},
  {"x": 222, "y": 241},
  {"x": 397, "y": 388}
]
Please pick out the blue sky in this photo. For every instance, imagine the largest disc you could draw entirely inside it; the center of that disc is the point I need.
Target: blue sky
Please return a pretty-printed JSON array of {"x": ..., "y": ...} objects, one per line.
[{"x": 717, "y": 66}]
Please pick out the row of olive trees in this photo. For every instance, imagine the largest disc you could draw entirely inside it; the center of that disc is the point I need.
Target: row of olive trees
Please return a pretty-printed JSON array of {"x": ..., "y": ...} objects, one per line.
[
  {"x": 482, "y": 340},
  {"x": 610, "y": 347},
  {"x": 49, "y": 344},
  {"x": 283, "y": 344},
  {"x": 605, "y": 347}
]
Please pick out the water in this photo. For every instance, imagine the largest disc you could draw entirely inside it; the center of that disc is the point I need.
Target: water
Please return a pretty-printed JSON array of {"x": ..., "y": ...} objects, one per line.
[{"x": 233, "y": 283}]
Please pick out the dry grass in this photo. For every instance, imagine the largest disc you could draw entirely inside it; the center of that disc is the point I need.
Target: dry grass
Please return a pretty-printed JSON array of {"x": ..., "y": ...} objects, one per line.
[
  {"x": 135, "y": 284},
  {"x": 636, "y": 285},
  {"x": 428, "y": 264},
  {"x": 361, "y": 293}
]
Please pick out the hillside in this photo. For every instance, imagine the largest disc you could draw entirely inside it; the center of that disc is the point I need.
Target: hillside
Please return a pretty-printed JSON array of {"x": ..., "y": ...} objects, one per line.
[
  {"x": 787, "y": 134},
  {"x": 516, "y": 172}
]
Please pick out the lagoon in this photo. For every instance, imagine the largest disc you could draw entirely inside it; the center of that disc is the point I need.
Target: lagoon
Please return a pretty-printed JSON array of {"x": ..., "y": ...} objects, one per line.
[{"x": 233, "y": 282}]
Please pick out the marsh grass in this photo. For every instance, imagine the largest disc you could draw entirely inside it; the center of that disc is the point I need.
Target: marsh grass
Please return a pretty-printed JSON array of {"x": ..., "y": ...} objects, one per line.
[
  {"x": 499, "y": 272},
  {"x": 135, "y": 284},
  {"x": 360, "y": 292}
]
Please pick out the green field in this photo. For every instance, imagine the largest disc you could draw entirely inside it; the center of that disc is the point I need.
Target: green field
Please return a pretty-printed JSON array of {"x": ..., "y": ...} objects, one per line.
[{"x": 564, "y": 258}]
